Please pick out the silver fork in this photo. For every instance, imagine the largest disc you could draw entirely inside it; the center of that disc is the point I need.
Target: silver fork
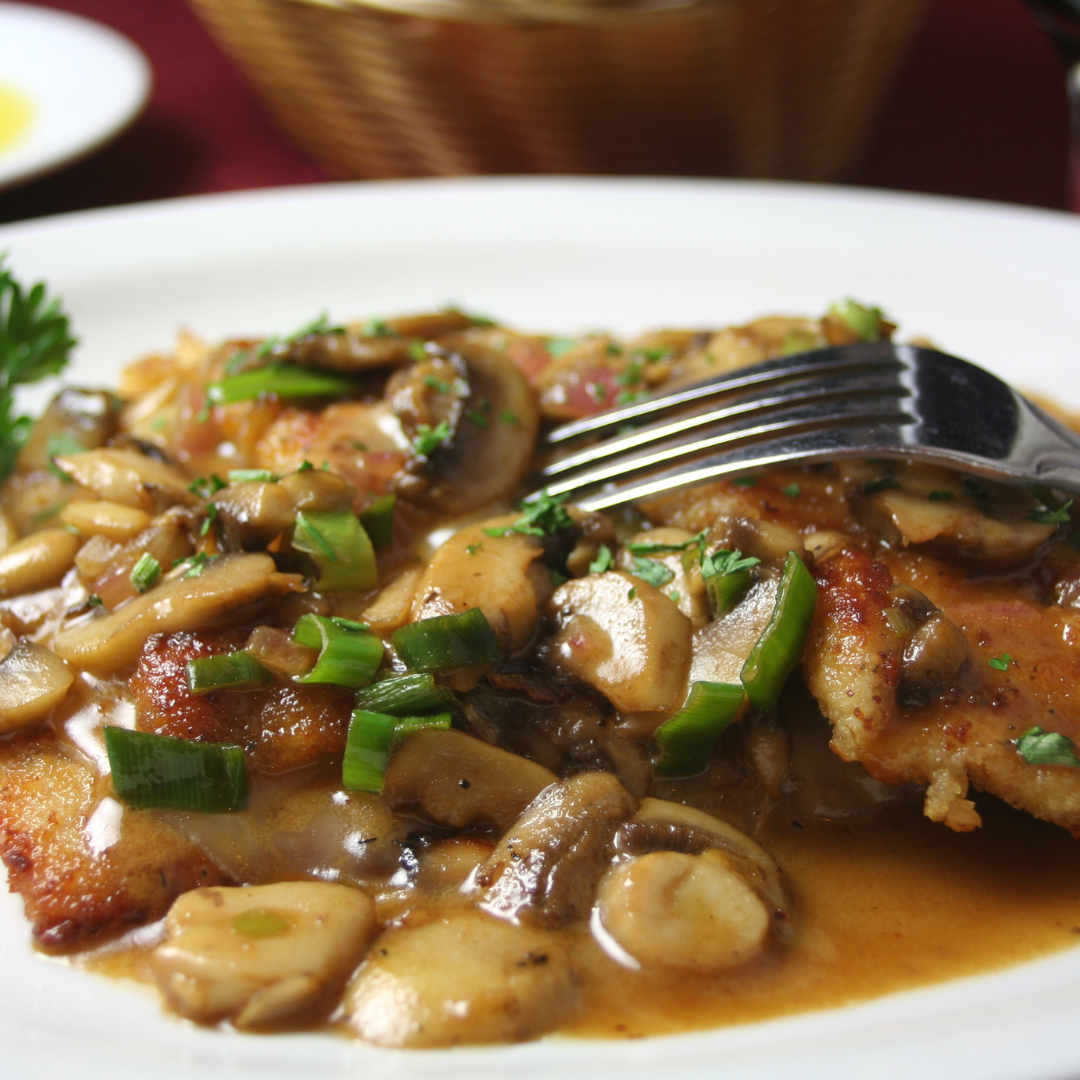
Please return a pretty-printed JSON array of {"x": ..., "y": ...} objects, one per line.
[{"x": 869, "y": 400}]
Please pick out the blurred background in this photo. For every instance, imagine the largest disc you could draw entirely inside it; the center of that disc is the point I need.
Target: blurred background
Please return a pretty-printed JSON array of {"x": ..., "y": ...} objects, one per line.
[{"x": 975, "y": 107}]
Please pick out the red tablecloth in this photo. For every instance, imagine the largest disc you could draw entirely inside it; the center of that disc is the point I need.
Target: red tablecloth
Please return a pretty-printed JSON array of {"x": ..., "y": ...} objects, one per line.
[{"x": 979, "y": 110}]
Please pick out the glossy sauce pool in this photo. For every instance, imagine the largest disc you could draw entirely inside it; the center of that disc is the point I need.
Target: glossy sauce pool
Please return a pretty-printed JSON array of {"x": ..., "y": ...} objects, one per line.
[{"x": 882, "y": 903}]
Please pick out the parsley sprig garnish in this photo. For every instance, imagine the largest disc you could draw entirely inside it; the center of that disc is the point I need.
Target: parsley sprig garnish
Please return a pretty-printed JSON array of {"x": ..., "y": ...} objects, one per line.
[{"x": 35, "y": 341}]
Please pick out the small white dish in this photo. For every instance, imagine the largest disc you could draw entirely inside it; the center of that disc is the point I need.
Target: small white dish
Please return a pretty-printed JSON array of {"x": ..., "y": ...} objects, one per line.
[{"x": 84, "y": 84}]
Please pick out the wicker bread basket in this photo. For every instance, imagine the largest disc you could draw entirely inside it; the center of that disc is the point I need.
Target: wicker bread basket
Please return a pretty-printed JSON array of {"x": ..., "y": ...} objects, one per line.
[{"x": 764, "y": 88}]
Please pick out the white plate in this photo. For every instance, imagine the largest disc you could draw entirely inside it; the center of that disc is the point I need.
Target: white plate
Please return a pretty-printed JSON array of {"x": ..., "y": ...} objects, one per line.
[
  {"x": 998, "y": 285},
  {"x": 85, "y": 84}
]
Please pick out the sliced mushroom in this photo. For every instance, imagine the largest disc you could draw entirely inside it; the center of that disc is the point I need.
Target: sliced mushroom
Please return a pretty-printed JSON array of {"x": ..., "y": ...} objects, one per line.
[
  {"x": 450, "y": 778},
  {"x": 356, "y": 350},
  {"x": 252, "y": 514},
  {"x": 625, "y": 638},
  {"x": 685, "y": 588},
  {"x": 931, "y": 661},
  {"x": 982, "y": 525},
  {"x": 491, "y": 418},
  {"x": 671, "y": 909},
  {"x": 167, "y": 540},
  {"x": 223, "y": 594},
  {"x": 545, "y": 869},
  {"x": 504, "y": 576},
  {"x": 33, "y": 681},
  {"x": 758, "y": 539},
  {"x": 660, "y": 825},
  {"x": 492, "y": 982},
  {"x": 37, "y": 561},
  {"x": 100, "y": 517},
  {"x": 261, "y": 953},
  {"x": 87, "y": 417},
  {"x": 127, "y": 477}
]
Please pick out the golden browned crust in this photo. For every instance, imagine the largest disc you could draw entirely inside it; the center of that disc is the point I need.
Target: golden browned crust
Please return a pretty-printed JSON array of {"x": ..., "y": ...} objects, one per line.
[{"x": 74, "y": 882}]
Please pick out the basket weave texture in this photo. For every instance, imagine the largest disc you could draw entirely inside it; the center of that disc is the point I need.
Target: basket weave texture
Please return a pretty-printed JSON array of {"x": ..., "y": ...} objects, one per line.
[{"x": 786, "y": 89}]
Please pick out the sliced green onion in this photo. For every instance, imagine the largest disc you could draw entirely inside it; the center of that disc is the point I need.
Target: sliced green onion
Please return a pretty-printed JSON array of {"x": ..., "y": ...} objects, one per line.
[
  {"x": 687, "y": 739},
  {"x": 409, "y": 725},
  {"x": 780, "y": 646},
  {"x": 448, "y": 641},
  {"x": 341, "y": 549},
  {"x": 405, "y": 695},
  {"x": 163, "y": 772},
  {"x": 226, "y": 671},
  {"x": 724, "y": 589},
  {"x": 726, "y": 575},
  {"x": 145, "y": 573},
  {"x": 863, "y": 321},
  {"x": 252, "y": 476},
  {"x": 349, "y": 653},
  {"x": 367, "y": 750},
  {"x": 281, "y": 380},
  {"x": 378, "y": 520},
  {"x": 260, "y": 923}
]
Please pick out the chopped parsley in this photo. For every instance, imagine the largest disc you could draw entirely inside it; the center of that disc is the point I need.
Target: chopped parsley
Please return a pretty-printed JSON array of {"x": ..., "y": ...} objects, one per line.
[
  {"x": 195, "y": 564},
  {"x": 603, "y": 562},
  {"x": 472, "y": 549},
  {"x": 941, "y": 496},
  {"x": 320, "y": 325},
  {"x": 418, "y": 351},
  {"x": 792, "y": 491},
  {"x": 631, "y": 594},
  {"x": 508, "y": 416},
  {"x": 1045, "y": 516},
  {"x": 652, "y": 572},
  {"x": 745, "y": 481},
  {"x": 478, "y": 418},
  {"x": 559, "y": 346},
  {"x": 545, "y": 517},
  {"x": 1038, "y": 747},
  {"x": 723, "y": 562},
  {"x": 429, "y": 439},
  {"x": 437, "y": 384},
  {"x": 973, "y": 489},
  {"x": 208, "y": 521},
  {"x": 59, "y": 445},
  {"x": 378, "y": 328},
  {"x": 1000, "y": 663},
  {"x": 884, "y": 483}
]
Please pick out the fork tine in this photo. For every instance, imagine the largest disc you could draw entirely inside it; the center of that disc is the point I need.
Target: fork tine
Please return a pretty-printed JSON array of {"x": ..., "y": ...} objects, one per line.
[
  {"x": 807, "y": 448},
  {"x": 801, "y": 392},
  {"x": 742, "y": 439},
  {"x": 821, "y": 362}
]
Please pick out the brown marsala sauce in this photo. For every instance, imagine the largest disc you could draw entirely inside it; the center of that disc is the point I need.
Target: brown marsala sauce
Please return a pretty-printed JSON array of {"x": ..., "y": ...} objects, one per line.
[{"x": 885, "y": 900}]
